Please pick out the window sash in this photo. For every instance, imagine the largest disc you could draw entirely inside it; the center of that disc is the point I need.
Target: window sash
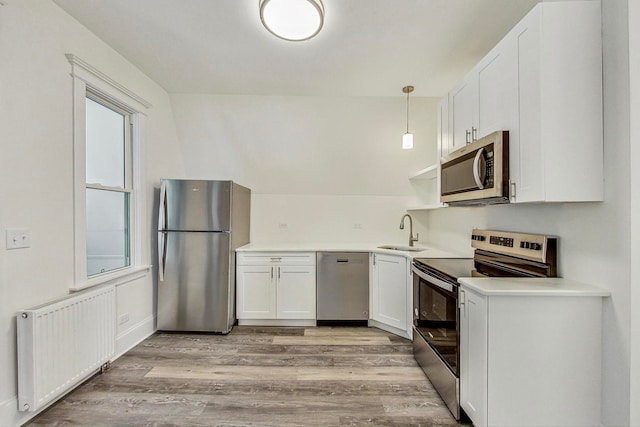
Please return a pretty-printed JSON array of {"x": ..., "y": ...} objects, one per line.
[
  {"x": 127, "y": 189},
  {"x": 128, "y": 137}
]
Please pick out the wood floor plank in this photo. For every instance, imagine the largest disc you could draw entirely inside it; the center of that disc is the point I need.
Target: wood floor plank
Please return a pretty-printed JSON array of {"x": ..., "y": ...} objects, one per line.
[
  {"x": 331, "y": 340},
  {"x": 327, "y": 349},
  {"x": 369, "y": 373},
  {"x": 301, "y": 373},
  {"x": 221, "y": 373},
  {"x": 333, "y": 331}
]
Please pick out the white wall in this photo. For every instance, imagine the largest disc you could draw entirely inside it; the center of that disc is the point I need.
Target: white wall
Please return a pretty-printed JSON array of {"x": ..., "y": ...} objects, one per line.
[
  {"x": 36, "y": 169},
  {"x": 320, "y": 168},
  {"x": 594, "y": 237},
  {"x": 634, "y": 71}
]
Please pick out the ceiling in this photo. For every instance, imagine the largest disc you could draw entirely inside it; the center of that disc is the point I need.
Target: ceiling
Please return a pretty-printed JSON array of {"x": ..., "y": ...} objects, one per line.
[{"x": 366, "y": 48}]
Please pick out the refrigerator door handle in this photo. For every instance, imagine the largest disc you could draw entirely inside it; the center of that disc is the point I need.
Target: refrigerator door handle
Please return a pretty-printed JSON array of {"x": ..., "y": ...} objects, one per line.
[
  {"x": 162, "y": 254},
  {"x": 162, "y": 212}
]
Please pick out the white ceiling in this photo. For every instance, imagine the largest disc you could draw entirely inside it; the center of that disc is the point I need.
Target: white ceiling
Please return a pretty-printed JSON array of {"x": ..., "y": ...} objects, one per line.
[{"x": 367, "y": 47}]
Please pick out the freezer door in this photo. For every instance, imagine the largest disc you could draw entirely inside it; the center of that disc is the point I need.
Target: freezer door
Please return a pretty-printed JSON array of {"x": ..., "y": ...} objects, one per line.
[
  {"x": 191, "y": 205},
  {"x": 196, "y": 290}
]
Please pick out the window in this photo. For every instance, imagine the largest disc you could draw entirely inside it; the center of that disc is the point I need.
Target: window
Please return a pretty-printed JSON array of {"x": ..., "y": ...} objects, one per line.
[
  {"x": 108, "y": 186},
  {"x": 108, "y": 130}
]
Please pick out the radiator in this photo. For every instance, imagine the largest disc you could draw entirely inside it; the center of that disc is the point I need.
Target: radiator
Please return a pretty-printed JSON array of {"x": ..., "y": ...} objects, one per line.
[{"x": 62, "y": 343}]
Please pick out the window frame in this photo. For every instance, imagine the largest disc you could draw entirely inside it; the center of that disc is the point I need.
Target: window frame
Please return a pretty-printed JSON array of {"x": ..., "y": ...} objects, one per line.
[{"x": 90, "y": 82}]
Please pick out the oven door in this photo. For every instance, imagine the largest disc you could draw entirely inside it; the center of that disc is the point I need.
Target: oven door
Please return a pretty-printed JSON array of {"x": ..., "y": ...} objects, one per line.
[{"x": 436, "y": 316}]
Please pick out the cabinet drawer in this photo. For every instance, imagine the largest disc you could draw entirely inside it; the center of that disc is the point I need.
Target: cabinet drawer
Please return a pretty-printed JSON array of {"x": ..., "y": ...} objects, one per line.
[{"x": 276, "y": 258}]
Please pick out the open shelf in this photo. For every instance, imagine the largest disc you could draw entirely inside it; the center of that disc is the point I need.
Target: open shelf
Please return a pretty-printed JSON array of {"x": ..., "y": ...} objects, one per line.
[
  {"x": 428, "y": 207},
  {"x": 430, "y": 172}
]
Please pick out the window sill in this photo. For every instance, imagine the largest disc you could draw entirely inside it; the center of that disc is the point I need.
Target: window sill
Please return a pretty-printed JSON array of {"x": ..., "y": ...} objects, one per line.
[{"x": 116, "y": 278}]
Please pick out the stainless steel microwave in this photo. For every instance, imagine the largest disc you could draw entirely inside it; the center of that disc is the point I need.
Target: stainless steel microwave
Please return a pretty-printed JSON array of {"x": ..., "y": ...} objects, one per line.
[{"x": 477, "y": 174}]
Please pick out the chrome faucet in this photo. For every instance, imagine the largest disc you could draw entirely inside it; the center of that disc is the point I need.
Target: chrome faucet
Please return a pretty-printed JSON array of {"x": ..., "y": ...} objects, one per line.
[{"x": 411, "y": 238}]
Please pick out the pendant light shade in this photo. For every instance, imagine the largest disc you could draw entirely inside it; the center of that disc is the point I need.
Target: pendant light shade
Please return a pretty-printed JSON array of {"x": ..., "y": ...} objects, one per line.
[
  {"x": 292, "y": 20},
  {"x": 407, "y": 138},
  {"x": 407, "y": 141}
]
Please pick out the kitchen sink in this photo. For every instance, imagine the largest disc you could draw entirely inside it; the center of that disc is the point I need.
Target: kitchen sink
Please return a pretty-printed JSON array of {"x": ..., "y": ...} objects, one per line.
[{"x": 403, "y": 248}]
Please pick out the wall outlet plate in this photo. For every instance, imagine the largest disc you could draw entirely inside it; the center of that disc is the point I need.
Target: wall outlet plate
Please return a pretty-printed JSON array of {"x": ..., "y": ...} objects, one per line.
[{"x": 18, "y": 238}]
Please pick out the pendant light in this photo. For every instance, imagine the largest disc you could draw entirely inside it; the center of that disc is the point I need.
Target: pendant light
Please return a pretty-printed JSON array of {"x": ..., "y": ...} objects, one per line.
[
  {"x": 292, "y": 20},
  {"x": 407, "y": 138}
]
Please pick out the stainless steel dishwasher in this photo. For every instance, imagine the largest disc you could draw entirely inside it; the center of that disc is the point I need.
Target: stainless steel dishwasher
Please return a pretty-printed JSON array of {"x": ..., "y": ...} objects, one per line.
[{"x": 342, "y": 288}]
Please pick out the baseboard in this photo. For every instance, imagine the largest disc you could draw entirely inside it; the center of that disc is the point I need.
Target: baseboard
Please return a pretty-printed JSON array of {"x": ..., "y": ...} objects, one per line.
[
  {"x": 134, "y": 335},
  {"x": 277, "y": 322},
  {"x": 392, "y": 329},
  {"x": 9, "y": 415}
]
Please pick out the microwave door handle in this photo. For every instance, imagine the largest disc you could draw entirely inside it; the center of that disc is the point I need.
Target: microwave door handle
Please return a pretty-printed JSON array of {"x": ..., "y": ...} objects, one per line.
[{"x": 476, "y": 169}]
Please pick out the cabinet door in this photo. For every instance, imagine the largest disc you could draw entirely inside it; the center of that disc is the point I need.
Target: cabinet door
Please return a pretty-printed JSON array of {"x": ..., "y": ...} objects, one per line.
[
  {"x": 296, "y": 292},
  {"x": 443, "y": 127},
  {"x": 390, "y": 290},
  {"x": 256, "y": 292},
  {"x": 497, "y": 90},
  {"x": 526, "y": 156},
  {"x": 473, "y": 356},
  {"x": 462, "y": 107}
]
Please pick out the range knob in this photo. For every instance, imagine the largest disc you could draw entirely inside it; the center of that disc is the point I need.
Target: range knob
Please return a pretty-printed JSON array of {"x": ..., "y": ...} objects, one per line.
[{"x": 531, "y": 245}]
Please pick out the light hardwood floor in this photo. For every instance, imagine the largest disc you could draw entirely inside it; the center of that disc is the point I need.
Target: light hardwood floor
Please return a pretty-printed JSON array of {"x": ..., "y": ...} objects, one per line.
[{"x": 259, "y": 376}]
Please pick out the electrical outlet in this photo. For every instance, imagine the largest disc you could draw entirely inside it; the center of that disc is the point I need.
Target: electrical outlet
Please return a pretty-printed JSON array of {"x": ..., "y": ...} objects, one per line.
[
  {"x": 124, "y": 318},
  {"x": 357, "y": 226},
  {"x": 283, "y": 226},
  {"x": 18, "y": 238}
]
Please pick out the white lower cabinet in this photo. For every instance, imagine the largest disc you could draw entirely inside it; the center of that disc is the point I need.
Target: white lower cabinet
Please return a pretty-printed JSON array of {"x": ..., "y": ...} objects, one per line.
[
  {"x": 296, "y": 292},
  {"x": 276, "y": 286},
  {"x": 389, "y": 287},
  {"x": 255, "y": 292},
  {"x": 473, "y": 356},
  {"x": 530, "y": 360}
]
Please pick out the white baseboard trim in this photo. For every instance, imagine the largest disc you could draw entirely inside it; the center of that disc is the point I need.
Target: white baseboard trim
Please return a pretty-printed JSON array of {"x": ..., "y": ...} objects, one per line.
[
  {"x": 391, "y": 329},
  {"x": 9, "y": 415},
  {"x": 276, "y": 322},
  {"x": 134, "y": 335}
]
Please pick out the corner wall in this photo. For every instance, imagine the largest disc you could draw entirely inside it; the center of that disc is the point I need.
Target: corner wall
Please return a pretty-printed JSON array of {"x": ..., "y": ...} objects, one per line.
[{"x": 36, "y": 187}]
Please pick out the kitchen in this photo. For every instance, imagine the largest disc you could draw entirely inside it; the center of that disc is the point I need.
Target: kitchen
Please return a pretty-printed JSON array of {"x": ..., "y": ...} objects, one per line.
[{"x": 345, "y": 181}]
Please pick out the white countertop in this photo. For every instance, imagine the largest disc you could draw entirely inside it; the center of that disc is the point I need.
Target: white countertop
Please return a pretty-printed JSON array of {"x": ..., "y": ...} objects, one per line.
[
  {"x": 428, "y": 252},
  {"x": 553, "y": 286}
]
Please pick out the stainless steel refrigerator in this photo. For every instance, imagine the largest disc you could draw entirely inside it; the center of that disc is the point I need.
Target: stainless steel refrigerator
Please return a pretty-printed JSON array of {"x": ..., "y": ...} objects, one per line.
[{"x": 201, "y": 223}]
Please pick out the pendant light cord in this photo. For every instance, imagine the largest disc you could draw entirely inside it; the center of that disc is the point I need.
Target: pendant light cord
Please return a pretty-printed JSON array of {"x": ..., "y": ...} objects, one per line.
[{"x": 407, "y": 111}]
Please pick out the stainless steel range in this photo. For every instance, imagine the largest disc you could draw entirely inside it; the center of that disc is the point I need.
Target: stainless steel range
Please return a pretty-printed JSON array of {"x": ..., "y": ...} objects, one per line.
[{"x": 436, "y": 316}]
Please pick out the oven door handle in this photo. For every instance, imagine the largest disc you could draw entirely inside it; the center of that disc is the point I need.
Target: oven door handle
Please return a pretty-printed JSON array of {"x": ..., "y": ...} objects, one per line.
[{"x": 439, "y": 283}]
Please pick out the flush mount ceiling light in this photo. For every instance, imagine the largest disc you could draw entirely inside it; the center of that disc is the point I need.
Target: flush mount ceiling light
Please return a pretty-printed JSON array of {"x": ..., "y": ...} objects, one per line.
[
  {"x": 407, "y": 138},
  {"x": 292, "y": 20}
]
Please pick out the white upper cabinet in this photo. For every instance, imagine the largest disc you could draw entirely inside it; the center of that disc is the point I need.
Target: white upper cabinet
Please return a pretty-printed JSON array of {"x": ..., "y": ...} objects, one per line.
[
  {"x": 543, "y": 84},
  {"x": 463, "y": 100},
  {"x": 558, "y": 153},
  {"x": 497, "y": 88},
  {"x": 485, "y": 101},
  {"x": 442, "y": 137}
]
